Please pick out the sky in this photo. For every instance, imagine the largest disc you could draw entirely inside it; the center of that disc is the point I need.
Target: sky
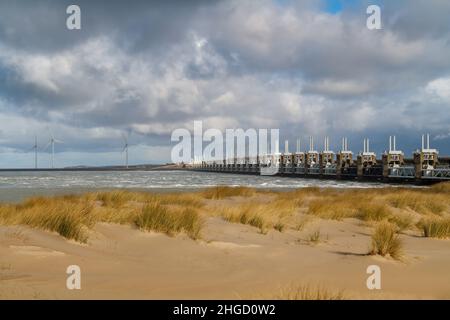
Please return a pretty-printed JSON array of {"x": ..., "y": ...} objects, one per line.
[{"x": 145, "y": 68}]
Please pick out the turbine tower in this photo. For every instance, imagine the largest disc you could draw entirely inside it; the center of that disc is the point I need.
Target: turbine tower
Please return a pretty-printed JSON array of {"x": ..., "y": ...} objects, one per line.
[
  {"x": 35, "y": 148},
  {"x": 51, "y": 143},
  {"x": 125, "y": 149}
]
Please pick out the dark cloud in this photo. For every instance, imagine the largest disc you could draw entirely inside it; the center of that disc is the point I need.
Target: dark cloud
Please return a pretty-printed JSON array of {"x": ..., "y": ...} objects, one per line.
[
  {"x": 418, "y": 20},
  {"x": 150, "y": 66}
]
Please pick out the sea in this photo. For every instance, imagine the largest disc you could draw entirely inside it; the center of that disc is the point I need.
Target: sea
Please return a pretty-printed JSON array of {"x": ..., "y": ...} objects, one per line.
[{"x": 15, "y": 186}]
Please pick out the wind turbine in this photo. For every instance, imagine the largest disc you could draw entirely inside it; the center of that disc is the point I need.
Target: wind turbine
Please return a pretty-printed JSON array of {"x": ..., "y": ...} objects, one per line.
[
  {"x": 52, "y": 142},
  {"x": 125, "y": 149},
  {"x": 35, "y": 148}
]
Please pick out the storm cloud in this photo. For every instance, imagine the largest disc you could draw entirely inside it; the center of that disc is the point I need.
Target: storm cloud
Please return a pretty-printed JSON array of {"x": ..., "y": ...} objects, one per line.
[{"x": 144, "y": 68}]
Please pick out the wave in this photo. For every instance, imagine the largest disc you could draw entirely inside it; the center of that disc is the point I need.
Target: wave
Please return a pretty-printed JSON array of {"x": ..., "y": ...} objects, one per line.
[{"x": 160, "y": 179}]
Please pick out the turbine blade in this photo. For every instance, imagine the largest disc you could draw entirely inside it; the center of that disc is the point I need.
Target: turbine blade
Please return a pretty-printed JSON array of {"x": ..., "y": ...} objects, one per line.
[
  {"x": 124, "y": 138},
  {"x": 48, "y": 144}
]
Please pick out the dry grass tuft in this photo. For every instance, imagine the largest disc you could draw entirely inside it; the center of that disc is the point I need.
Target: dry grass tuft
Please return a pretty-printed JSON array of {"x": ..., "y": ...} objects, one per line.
[
  {"x": 279, "y": 226},
  {"x": 435, "y": 227},
  {"x": 73, "y": 215},
  {"x": 375, "y": 205},
  {"x": 332, "y": 208},
  {"x": 69, "y": 219},
  {"x": 264, "y": 216},
  {"x": 443, "y": 187},
  {"x": 122, "y": 198},
  {"x": 181, "y": 199},
  {"x": 403, "y": 221},
  {"x": 386, "y": 241},
  {"x": 314, "y": 237},
  {"x": 116, "y": 199},
  {"x": 423, "y": 202},
  {"x": 156, "y": 217},
  {"x": 371, "y": 211},
  {"x": 222, "y": 192},
  {"x": 301, "y": 223},
  {"x": 309, "y": 292},
  {"x": 296, "y": 197},
  {"x": 244, "y": 215}
]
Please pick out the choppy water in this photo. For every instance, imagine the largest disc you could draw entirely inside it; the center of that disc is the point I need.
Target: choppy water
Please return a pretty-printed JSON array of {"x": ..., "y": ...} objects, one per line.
[
  {"x": 157, "y": 179},
  {"x": 16, "y": 185}
]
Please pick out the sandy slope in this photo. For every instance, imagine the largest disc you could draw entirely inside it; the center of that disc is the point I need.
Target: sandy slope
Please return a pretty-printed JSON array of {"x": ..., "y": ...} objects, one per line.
[{"x": 232, "y": 261}]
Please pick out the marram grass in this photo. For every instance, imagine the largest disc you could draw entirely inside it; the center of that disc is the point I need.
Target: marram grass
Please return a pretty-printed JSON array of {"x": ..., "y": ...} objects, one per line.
[
  {"x": 386, "y": 241},
  {"x": 435, "y": 227},
  {"x": 72, "y": 216},
  {"x": 263, "y": 216},
  {"x": 221, "y": 192},
  {"x": 156, "y": 217},
  {"x": 310, "y": 292}
]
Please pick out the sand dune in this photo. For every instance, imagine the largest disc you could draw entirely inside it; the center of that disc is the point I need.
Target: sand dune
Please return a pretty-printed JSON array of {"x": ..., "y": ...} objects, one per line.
[{"x": 231, "y": 261}]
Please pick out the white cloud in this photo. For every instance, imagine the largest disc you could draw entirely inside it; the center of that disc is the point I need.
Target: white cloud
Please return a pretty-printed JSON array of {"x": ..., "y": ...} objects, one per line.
[
  {"x": 338, "y": 87},
  {"x": 439, "y": 87}
]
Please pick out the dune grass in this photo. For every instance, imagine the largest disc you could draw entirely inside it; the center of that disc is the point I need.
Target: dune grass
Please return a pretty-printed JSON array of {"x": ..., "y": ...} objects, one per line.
[
  {"x": 310, "y": 292},
  {"x": 400, "y": 206},
  {"x": 120, "y": 198},
  {"x": 434, "y": 200},
  {"x": 264, "y": 216},
  {"x": 302, "y": 222},
  {"x": 157, "y": 217},
  {"x": 116, "y": 199},
  {"x": 72, "y": 216},
  {"x": 425, "y": 202},
  {"x": 372, "y": 211},
  {"x": 279, "y": 226},
  {"x": 296, "y": 197},
  {"x": 66, "y": 218},
  {"x": 443, "y": 187},
  {"x": 435, "y": 227},
  {"x": 331, "y": 208},
  {"x": 314, "y": 237},
  {"x": 403, "y": 221},
  {"x": 386, "y": 241},
  {"x": 244, "y": 215},
  {"x": 222, "y": 192}
]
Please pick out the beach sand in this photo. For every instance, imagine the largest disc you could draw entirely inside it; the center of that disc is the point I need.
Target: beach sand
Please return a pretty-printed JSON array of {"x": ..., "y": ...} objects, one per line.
[{"x": 230, "y": 261}]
